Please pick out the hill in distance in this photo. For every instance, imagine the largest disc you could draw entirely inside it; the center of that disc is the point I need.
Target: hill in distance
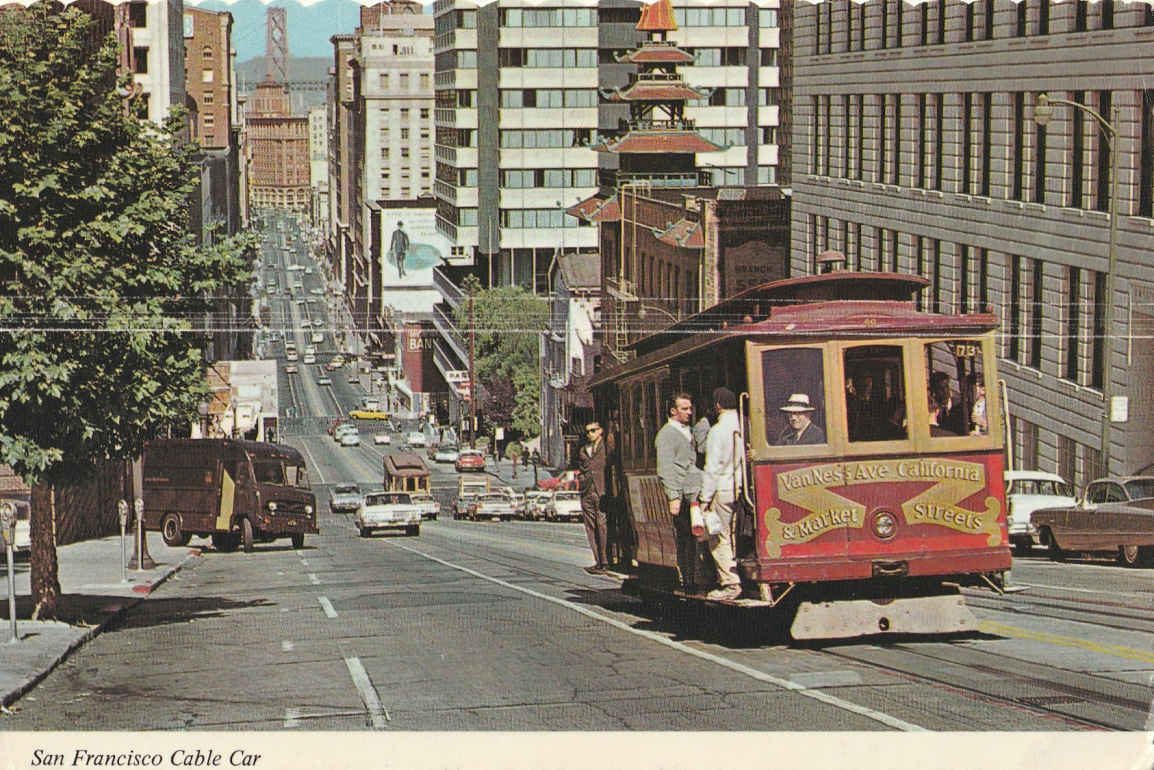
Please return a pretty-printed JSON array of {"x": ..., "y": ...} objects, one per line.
[{"x": 310, "y": 26}]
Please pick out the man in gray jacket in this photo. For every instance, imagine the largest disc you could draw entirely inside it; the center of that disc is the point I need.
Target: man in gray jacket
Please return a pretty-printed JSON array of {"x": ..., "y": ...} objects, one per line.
[{"x": 680, "y": 478}]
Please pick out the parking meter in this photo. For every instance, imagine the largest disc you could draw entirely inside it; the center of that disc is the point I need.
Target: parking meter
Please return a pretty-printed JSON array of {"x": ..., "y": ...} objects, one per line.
[
  {"x": 122, "y": 514},
  {"x": 8, "y": 524},
  {"x": 8, "y": 532}
]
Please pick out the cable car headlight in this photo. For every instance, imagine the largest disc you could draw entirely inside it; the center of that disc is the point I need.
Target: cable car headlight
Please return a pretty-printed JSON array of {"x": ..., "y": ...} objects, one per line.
[
  {"x": 309, "y": 510},
  {"x": 272, "y": 505},
  {"x": 885, "y": 525}
]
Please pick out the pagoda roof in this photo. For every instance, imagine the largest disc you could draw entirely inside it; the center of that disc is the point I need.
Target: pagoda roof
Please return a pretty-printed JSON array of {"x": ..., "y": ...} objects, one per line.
[
  {"x": 596, "y": 209},
  {"x": 658, "y": 141},
  {"x": 657, "y": 52},
  {"x": 655, "y": 91},
  {"x": 684, "y": 233},
  {"x": 657, "y": 17}
]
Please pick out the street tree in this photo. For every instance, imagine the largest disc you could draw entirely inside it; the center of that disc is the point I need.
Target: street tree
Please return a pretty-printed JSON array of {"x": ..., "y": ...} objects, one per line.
[
  {"x": 508, "y": 322},
  {"x": 102, "y": 287}
]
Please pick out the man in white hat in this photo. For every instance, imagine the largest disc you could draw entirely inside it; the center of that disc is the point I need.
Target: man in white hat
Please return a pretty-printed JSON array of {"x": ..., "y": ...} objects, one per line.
[{"x": 801, "y": 429}]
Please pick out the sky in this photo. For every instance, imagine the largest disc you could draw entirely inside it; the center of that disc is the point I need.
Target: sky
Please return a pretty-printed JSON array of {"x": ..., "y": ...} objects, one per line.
[{"x": 310, "y": 23}]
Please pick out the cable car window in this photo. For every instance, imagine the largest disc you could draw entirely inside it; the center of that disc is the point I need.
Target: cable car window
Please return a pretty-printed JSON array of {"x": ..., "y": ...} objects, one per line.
[
  {"x": 795, "y": 412},
  {"x": 874, "y": 401},
  {"x": 956, "y": 388},
  {"x": 268, "y": 472}
]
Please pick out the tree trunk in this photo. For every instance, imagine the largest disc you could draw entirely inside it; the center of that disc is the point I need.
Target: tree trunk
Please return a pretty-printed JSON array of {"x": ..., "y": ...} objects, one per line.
[{"x": 44, "y": 577}]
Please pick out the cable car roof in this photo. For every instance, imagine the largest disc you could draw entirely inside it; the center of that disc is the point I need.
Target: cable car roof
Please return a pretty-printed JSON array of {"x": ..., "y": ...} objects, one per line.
[{"x": 839, "y": 305}]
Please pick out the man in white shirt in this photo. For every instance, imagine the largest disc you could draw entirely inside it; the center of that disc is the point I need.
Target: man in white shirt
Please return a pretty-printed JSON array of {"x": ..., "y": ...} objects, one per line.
[{"x": 721, "y": 481}]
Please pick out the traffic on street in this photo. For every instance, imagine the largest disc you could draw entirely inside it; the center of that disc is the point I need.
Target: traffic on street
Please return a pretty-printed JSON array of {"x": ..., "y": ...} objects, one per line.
[{"x": 486, "y": 620}]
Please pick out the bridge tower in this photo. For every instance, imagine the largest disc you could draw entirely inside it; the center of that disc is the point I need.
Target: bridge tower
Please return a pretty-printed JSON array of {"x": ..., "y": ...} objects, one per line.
[{"x": 276, "y": 45}]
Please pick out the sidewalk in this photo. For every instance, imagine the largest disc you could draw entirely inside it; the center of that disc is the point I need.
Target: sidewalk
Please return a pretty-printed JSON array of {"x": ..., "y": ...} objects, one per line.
[{"x": 92, "y": 595}]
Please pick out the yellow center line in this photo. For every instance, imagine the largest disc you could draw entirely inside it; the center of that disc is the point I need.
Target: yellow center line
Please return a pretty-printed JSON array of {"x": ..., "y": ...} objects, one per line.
[{"x": 1066, "y": 641}]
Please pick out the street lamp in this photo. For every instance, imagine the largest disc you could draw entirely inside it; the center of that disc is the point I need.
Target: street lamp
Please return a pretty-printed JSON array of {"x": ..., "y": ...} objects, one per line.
[
  {"x": 644, "y": 310},
  {"x": 1043, "y": 111}
]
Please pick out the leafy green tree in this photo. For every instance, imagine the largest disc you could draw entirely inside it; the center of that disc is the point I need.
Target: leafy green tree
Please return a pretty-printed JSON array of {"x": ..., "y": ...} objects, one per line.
[
  {"x": 508, "y": 322},
  {"x": 101, "y": 283}
]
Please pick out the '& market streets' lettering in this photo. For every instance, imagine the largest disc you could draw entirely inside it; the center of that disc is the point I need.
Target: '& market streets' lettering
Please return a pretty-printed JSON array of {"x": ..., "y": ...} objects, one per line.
[{"x": 811, "y": 489}]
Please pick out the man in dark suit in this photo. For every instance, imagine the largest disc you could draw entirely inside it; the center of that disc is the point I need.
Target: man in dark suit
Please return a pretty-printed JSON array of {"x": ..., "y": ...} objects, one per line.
[{"x": 591, "y": 464}]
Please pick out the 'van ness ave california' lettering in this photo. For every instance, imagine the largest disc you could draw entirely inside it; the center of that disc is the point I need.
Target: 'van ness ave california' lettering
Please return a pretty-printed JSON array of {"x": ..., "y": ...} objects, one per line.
[{"x": 846, "y": 474}]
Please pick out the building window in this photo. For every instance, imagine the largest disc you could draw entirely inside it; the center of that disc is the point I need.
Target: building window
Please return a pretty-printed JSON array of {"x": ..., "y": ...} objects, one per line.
[
  {"x": 920, "y": 268},
  {"x": 883, "y": 38},
  {"x": 815, "y": 137},
  {"x": 1107, "y": 17},
  {"x": 207, "y": 76},
  {"x": 988, "y": 19},
  {"x": 1020, "y": 20},
  {"x": 936, "y": 300},
  {"x": 207, "y": 97},
  {"x": 138, "y": 15},
  {"x": 1039, "y": 163},
  {"x": 1018, "y": 131},
  {"x": 899, "y": 13},
  {"x": 924, "y": 32},
  {"x": 1073, "y": 314},
  {"x": 140, "y": 60},
  {"x": 1077, "y": 152},
  {"x": 1146, "y": 162},
  {"x": 1036, "y": 314},
  {"x": 941, "y": 21},
  {"x": 920, "y": 144},
  {"x": 1080, "y": 15},
  {"x": 1014, "y": 331},
  {"x": 1105, "y": 100},
  {"x": 861, "y": 135},
  {"x": 939, "y": 139},
  {"x": 846, "y": 171},
  {"x": 964, "y": 278},
  {"x": 849, "y": 4},
  {"x": 987, "y": 139},
  {"x": 828, "y": 128},
  {"x": 1098, "y": 353},
  {"x": 969, "y": 22},
  {"x": 967, "y": 139},
  {"x": 1043, "y": 17}
]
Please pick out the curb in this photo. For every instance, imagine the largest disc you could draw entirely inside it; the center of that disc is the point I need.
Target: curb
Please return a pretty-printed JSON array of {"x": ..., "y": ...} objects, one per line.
[{"x": 129, "y": 602}]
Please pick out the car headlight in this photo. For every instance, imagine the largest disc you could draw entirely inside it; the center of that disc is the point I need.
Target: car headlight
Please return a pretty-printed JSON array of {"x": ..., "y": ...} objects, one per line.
[
  {"x": 309, "y": 510},
  {"x": 885, "y": 525},
  {"x": 272, "y": 505}
]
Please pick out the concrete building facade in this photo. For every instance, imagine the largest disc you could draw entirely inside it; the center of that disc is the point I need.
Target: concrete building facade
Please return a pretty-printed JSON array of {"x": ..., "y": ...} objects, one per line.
[
  {"x": 280, "y": 150},
  {"x": 918, "y": 149}
]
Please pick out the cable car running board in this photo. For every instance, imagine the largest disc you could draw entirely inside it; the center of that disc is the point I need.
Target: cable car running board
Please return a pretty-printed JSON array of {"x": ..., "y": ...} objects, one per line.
[{"x": 845, "y": 619}]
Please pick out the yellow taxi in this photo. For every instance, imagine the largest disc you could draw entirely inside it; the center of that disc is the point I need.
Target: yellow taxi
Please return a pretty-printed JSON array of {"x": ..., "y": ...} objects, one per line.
[{"x": 368, "y": 414}]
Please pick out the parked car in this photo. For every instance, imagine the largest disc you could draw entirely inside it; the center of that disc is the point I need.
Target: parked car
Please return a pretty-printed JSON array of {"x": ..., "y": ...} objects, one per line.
[
  {"x": 290, "y": 369},
  {"x": 382, "y": 439},
  {"x": 1026, "y": 492},
  {"x": 493, "y": 505},
  {"x": 430, "y": 508},
  {"x": 444, "y": 453},
  {"x": 350, "y": 438},
  {"x": 535, "y": 502},
  {"x": 518, "y": 501},
  {"x": 416, "y": 439},
  {"x": 564, "y": 505},
  {"x": 1116, "y": 517},
  {"x": 344, "y": 497},
  {"x": 388, "y": 510},
  {"x": 470, "y": 460}
]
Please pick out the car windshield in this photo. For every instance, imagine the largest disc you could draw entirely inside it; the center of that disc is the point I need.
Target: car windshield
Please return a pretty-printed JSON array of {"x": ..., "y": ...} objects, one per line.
[
  {"x": 494, "y": 498},
  {"x": 1041, "y": 487},
  {"x": 1139, "y": 488},
  {"x": 346, "y": 489},
  {"x": 422, "y": 498},
  {"x": 568, "y": 496},
  {"x": 388, "y": 498},
  {"x": 268, "y": 472},
  {"x": 297, "y": 476}
]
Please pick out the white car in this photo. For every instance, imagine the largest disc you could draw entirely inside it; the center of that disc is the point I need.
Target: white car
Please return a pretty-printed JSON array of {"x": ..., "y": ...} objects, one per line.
[
  {"x": 345, "y": 497},
  {"x": 564, "y": 505},
  {"x": 382, "y": 439},
  {"x": 1026, "y": 492},
  {"x": 446, "y": 453},
  {"x": 309, "y": 358},
  {"x": 535, "y": 502},
  {"x": 416, "y": 438},
  {"x": 350, "y": 438},
  {"x": 290, "y": 369},
  {"x": 317, "y": 337},
  {"x": 430, "y": 508},
  {"x": 388, "y": 510},
  {"x": 324, "y": 380}
]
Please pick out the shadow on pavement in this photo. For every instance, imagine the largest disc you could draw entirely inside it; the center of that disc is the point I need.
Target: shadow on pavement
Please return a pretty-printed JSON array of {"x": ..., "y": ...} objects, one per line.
[
  {"x": 731, "y": 627},
  {"x": 93, "y": 609}
]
